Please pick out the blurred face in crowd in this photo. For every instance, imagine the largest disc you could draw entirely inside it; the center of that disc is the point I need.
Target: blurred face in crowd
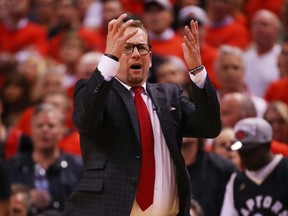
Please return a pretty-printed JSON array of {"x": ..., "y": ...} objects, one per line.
[
  {"x": 219, "y": 9},
  {"x": 53, "y": 81},
  {"x": 283, "y": 60},
  {"x": 221, "y": 146},
  {"x": 279, "y": 125},
  {"x": 230, "y": 111},
  {"x": 265, "y": 29},
  {"x": 47, "y": 129},
  {"x": 44, "y": 10},
  {"x": 71, "y": 50},
  {"x": 170, "y": 73},
  {"x": 19, "y": 204},
  {"x": 157, "y": 19},
  {"x": 111, "y": 10},
  {"x": 230, "y": 72},
  {"x": 66, "y": 13},
  {"x": 18, "y": 8},
  {"x": 134, "y": 67}
]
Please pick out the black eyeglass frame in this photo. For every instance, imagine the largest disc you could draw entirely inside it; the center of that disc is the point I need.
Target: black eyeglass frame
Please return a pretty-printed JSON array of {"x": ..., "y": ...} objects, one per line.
[{"x": 149, "y": 46}]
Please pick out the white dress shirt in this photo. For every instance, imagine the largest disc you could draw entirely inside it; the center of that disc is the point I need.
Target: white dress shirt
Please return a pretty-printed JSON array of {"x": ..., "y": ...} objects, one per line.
[{"x": 166, "y": 199}]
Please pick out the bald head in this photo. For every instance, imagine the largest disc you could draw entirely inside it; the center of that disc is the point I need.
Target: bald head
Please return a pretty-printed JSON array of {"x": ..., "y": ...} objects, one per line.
[
  {"x": 236, "y": 106},
  {"x": 265, "y": 29}
]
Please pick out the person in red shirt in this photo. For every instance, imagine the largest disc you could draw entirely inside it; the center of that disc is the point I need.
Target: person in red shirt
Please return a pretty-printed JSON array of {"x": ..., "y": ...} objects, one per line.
[
  {"x": 223, "y": 29},
  {"x": 158, "y": 17}
]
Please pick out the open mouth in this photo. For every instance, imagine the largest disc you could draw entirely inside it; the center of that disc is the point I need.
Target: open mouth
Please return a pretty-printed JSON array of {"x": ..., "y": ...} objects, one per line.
[{"x": 136, "y": 66}]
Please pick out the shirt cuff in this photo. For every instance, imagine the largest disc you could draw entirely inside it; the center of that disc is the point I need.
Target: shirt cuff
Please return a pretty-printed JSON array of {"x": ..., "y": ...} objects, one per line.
[
  {"x": 199, "y": 78},
  {"x": 108, "y": 67}
]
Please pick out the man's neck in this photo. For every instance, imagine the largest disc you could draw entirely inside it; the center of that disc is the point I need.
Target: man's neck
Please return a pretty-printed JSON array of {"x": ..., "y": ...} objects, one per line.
[{"x": 46, "y": 158}]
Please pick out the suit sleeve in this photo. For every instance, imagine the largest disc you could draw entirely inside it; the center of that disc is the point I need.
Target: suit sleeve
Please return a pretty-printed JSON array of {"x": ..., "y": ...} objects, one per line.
[
  {"x": 206, "y": 122},
  {"x": 89, "y": 100}
]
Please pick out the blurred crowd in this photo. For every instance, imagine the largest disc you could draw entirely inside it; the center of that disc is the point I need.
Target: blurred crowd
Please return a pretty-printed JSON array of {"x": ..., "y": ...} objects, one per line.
[{"x": 47, "y": 45}]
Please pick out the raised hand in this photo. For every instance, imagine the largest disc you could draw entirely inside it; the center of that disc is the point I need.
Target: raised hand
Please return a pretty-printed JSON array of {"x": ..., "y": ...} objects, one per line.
[
  {"x": 116, "y": 38},
  {"x": 191, "y": 45}
]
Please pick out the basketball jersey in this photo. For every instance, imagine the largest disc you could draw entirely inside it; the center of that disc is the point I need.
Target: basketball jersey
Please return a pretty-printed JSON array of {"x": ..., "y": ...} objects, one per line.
[{"x": 268, "y": 198}]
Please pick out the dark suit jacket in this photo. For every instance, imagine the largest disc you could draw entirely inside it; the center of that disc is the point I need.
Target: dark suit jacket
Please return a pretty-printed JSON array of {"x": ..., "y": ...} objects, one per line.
[{"x": 105, "y": 114}]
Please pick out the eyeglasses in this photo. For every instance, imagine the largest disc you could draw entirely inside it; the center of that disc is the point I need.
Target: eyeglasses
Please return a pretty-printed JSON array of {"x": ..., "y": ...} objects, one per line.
[{"x": 143, "y": 49}]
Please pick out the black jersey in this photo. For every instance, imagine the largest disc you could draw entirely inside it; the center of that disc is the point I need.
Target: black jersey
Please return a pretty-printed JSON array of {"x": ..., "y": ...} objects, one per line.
[{"x": 267, "y": 199}]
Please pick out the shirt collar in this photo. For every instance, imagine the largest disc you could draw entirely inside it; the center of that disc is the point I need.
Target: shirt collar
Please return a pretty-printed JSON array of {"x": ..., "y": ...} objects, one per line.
[{"x": 129, "y": 87}]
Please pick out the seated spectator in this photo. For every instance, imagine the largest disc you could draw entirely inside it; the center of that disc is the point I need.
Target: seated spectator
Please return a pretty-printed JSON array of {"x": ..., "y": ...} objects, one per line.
[
  {"x": 260, "y": 60},
  {"x": 158, "y": 17},
  {"x": 277, "y": 90},
  {"x": 173, "y": 70},
  {"x": 15, "y": 98},
  {"x": 12, "y": 140},
  {"x": 18, "y": 33},
  {"x": 20, "y": 200},
  {"x": 49, "y": 173},
  {"x": 230, "y": 74},
  {"x": 222, "y": 28},
  {"x": 251, "y": 7},
  {"x": 277, "y": 116},
  {"x": 236, "y": 106},
  {"x": 261, "y": 188},
  {"x": 221, "y": 146},
  {"x": 202, "y": 168},
  {"x": 68, "y": 21}
]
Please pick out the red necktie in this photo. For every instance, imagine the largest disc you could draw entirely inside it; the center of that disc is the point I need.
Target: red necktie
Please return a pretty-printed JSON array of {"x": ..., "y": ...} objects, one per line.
[{"x": 145, "y": 192}]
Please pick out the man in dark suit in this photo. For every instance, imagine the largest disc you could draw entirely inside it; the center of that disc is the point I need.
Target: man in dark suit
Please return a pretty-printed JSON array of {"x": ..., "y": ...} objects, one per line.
[{"x": 111, "y": 132}]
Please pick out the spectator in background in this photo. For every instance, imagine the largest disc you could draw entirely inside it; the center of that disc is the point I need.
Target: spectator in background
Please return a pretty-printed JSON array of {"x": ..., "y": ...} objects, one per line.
[
  {"x": 251, "y": 7},
  {"x": 49, "y": 173},
  {"x": 221, "y": 146},
  {"x": 15, "y": 97},
  {"x": 261, "y": 188},
  {"x": 173, "y": 70},
  {"x": 284, "y": 18},
  {"x": 277, "y": 116},
  {"x": 71, "y": 49},
  {"x": 5, "y": 191},
  {"x": 53, "y": 80},
  {"x": 208, "y": 52},
  {"x": 67, "y": 21},
  {"x": 235, "y": 106},
  {"x": 222, "y": 28},
  {"x": 209, "y": 174},
  {"x": 12, "y": 140},
  {"x": 90, "y": 13},
  {"x": 18, "y": 33},
  {"x": 260, "y": 60},
  {"x": 33, "y": 67},
  {"x": 277, "y": 90},
  {"x": 20, "y": 200},
  {"x": 42, "y": 13},
  {"x": 158, "y": 17},
  {"x": 110, "y": 9},
  {"x": 229, "y": 67},
  {"x": 87, "y": 64}
]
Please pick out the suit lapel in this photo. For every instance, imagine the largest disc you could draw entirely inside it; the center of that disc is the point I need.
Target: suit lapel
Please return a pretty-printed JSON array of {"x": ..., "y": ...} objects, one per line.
[
  {"x": 129, "y": 102},
  {"x": 159, "y": 102}
]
